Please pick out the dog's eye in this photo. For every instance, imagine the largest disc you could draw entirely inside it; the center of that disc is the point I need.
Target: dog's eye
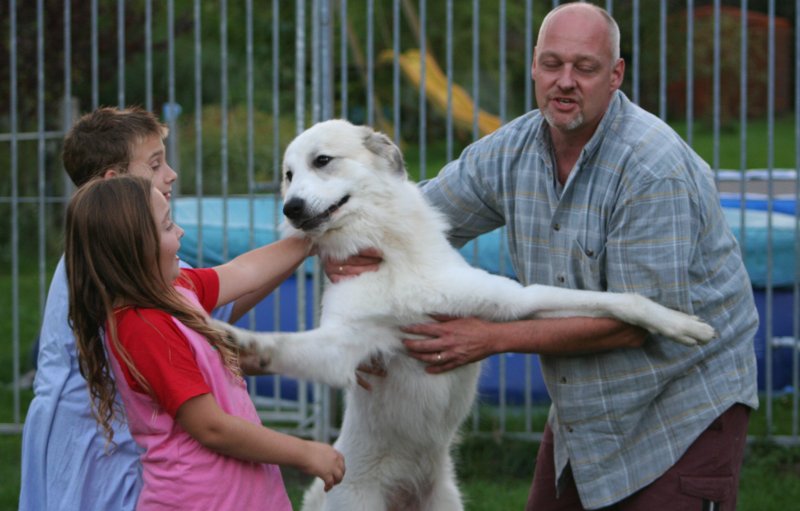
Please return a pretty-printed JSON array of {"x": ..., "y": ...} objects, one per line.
[
  {"x": 288, "y": 176},
  {"x": 322, "y": 160}
]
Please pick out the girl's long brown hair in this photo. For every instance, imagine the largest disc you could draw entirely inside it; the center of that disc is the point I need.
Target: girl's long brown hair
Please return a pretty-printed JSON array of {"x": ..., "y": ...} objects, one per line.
[{"x": 112, "y": 259}]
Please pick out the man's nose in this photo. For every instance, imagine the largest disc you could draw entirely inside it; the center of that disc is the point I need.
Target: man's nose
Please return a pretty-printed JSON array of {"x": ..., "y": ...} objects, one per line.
[{"x": 566, "y": 78}]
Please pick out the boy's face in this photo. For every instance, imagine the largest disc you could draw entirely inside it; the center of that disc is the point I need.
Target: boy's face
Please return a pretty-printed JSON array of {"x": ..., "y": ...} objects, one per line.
[
  {"x": 170, "y": 235},
  {"x": 149, "y": 160}
]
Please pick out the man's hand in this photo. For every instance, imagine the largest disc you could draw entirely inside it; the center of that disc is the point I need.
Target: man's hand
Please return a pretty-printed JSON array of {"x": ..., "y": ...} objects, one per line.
[
  {"x": 365, "y": 261},
  {"x": 448, "y": 342}
]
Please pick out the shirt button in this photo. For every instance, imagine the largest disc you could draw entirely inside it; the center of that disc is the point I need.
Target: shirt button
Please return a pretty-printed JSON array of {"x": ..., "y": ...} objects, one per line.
[
  {"x": 590, "y": 253},
  {"x": 563, "y": 379},
  {"x": 569, "y": 429},
  {"x": 557, "y": 227},
  {"x": 561, "y": 279}
]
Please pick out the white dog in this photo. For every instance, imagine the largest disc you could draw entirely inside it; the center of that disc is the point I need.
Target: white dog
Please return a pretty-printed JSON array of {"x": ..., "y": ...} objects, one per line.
[{"x": 345, "y": 187}]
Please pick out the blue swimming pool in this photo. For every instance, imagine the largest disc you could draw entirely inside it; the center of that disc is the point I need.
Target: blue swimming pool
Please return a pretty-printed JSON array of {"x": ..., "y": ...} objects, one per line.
[{"x": 768, "y": 242}]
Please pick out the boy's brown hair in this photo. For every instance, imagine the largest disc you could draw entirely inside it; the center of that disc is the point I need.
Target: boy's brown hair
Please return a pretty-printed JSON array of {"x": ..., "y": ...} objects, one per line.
[{"x": 104, "y": 139}]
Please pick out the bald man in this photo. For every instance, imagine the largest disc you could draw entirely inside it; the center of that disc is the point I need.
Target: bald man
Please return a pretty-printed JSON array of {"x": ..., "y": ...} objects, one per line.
[{"x": 598, "y": 194}]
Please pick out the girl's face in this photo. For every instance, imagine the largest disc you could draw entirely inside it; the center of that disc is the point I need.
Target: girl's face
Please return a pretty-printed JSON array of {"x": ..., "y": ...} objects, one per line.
[{"x": 170, "y": 235}]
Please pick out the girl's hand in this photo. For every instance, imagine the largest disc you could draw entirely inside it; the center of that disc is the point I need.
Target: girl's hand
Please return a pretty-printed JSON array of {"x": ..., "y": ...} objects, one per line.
[{"x": 325, "y": 462}]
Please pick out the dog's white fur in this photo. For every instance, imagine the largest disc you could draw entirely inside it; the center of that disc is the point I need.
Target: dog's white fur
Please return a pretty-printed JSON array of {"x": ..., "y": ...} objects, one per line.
[{"x": 345, "y": 187}]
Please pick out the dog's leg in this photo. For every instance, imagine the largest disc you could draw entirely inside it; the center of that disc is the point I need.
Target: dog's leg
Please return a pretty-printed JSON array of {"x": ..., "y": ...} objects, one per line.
[
  {"x": 366, "y": 496},
  {"x": 329, "y": 354},
  {"x": 503, "y": 299},
  {"x": 314, "y": 497},
  {"x": 445, "y": 495},
  {"x": 628, "y": 307}
]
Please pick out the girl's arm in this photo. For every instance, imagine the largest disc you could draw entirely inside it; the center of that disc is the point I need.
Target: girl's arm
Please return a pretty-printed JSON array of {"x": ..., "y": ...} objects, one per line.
[
  {"x": 233, "y": 436},
  {"x": 261, "y": 269}
]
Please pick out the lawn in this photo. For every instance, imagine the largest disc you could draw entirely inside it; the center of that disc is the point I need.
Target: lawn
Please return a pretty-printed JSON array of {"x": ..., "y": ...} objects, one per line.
[
  {"x": 495, "y": 475},
  {"x": 757, "y": 149},
  {"x": 757, "y": 153}
]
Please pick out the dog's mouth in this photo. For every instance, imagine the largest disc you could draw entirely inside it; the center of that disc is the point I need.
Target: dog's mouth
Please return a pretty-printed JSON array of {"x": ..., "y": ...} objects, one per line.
[{"x": 308, "y": 224}]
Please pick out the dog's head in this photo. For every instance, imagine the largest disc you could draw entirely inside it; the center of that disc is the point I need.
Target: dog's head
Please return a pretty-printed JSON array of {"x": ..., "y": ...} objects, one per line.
[{"x": 331, "y": 169}]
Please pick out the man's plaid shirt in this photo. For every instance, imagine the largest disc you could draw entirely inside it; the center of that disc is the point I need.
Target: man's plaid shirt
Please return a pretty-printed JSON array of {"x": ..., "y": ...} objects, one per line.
[{"x": 639, "y": 213}]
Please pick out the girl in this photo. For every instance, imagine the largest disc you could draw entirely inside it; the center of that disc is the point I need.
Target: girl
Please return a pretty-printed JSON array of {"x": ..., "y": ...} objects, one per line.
[{"x": 179, "y": 378}]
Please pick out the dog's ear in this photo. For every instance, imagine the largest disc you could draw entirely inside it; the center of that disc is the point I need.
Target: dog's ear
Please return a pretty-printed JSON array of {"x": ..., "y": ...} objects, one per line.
[{"x": 382, "y": 146}]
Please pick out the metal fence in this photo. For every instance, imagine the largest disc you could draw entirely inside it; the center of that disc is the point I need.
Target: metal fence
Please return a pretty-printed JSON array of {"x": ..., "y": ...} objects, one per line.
[{"x": 236, "y": 80}]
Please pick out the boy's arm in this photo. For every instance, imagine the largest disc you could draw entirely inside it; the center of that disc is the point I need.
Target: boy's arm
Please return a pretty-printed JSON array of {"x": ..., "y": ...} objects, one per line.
[{"x": 250, "y": 276}]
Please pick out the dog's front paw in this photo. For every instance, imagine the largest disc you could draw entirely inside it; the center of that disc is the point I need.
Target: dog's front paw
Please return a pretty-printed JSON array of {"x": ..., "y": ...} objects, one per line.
[
  {"x": 227, "y": 329},
  {"x": 254, "y": 353},
  {"x": 245, "y": 339},
  {"x": 700, "y": 331},
  {"x": 253, "y": 361},
  {"x": 685, "y": 329}
]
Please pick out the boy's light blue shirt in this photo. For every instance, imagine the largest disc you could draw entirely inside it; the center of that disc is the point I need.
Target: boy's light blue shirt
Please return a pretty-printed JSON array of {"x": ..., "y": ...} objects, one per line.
[
  {"x": 65, "y": 465},
  {"x": 639, "y": 213}
]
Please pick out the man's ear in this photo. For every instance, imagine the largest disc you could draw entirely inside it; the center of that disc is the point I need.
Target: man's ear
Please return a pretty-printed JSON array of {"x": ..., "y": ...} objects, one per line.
[
  {"x": 617, "y": 74},
  {"x": 109, "y": 173}
]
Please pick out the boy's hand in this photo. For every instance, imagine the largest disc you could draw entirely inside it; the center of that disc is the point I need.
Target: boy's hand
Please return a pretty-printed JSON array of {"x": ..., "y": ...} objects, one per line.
[{"x": 375, "y": 367}]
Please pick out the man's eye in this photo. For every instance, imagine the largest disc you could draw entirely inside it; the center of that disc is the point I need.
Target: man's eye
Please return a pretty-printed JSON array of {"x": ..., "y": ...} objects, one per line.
[{"x": 322, "y": 160}]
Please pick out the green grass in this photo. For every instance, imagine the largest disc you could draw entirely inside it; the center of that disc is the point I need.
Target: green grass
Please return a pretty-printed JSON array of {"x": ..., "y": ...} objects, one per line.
[
  {"x": 9, "y": 471},
  {"x": 783, "y": 152},
  {"x": 435, "y": 149},
  {"x": 28, "y": 322},
  {"x": 783, "y": 141},
  {"x": 495, "y": 475},
  {"x": 781, "y": 423},
  {"x": 770, "y": 478}
]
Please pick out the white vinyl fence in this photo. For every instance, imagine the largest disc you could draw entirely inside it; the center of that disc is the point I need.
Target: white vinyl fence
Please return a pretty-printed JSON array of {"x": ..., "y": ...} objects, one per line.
[{"x": 236, "y": 80}]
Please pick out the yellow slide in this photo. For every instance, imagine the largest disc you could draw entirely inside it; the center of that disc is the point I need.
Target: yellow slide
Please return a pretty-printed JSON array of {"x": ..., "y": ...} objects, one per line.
[{"x": 436, "y": 91}]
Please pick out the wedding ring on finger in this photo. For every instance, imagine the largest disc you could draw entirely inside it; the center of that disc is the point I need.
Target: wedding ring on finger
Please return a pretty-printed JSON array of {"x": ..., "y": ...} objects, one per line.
[{"x": 439, "y": 357}]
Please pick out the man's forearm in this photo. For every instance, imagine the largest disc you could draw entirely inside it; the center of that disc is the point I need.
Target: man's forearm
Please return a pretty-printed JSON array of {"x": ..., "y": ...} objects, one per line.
[{"x": 566, "y": 336}]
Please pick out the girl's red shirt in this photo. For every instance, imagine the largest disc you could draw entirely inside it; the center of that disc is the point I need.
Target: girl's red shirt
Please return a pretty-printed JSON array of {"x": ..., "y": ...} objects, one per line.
[{"x": 158, "y": 349}]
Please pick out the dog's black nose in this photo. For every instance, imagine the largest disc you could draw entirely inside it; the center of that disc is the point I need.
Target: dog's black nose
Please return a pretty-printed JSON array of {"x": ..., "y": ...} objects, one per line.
[{"x": 294, "y": 208}]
